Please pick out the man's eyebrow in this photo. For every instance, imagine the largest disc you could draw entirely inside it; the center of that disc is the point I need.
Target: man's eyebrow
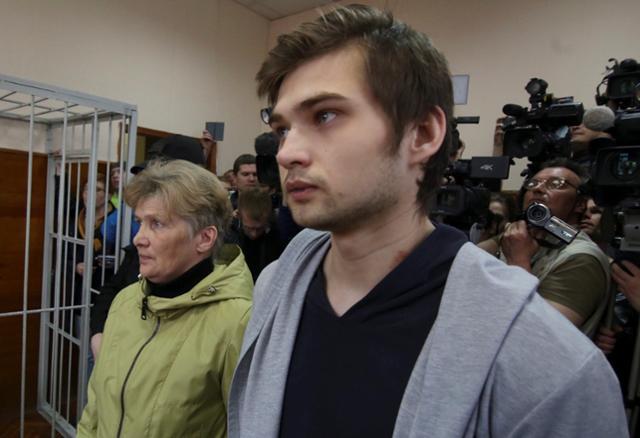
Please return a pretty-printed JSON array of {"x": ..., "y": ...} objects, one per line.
[{"x": 308, "y": 103}]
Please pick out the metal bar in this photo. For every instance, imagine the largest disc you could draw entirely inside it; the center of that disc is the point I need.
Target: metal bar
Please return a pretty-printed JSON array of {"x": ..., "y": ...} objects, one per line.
[
  {"x": 22, "y": 118},
  {"x": 64, "y": 334},
  {"x": 63, "y": 146},
  {"x": 25, "y": 278},
  {"x": 43, "y": 310},
  {"x": 131, "y": 149},
  {"x": 55, "y": 110},
  {"x": 84, "y": 135},
  {"x": 88, "y": 263},
  {"x": 40, "y": 107},
  {"x": 63, "y": 427},
  {"x": 19, "y": 105},
  {"x": 27, "y": 87},
  {"x": 71, "y": 239},
  {"x": 11, "y": 93},
  {"x": 78, "y": 118},
  {"x": 120, "y": 154},
  {"x": 43, "y": 363},
  {"x": 56, "y": 297},
  {"x": 105, "y": 205},
  {"x": 108, "y": 188}
]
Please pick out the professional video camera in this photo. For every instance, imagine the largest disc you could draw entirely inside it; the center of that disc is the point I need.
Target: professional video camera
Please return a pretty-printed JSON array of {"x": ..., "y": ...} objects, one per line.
[
  {"x": 266, "y": 147},
  {"x": 616, "y": 170},
  {"x": 540, "y": 132},
  {"x": 464, "y": 199}
]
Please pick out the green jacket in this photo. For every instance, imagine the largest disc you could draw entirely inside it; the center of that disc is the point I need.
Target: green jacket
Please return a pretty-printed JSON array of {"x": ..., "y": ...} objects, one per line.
[{"x": 168, "y": 375}]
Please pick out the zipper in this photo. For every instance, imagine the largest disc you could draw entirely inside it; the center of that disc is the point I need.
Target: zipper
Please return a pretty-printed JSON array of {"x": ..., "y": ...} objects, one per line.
[
  {"x": 135, "y": 359},
  {"x": 145, "y": 307}
]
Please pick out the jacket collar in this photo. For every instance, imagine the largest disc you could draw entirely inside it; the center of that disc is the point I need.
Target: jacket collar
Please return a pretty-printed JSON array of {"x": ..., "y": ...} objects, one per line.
[{"x": 230, "y": 279}]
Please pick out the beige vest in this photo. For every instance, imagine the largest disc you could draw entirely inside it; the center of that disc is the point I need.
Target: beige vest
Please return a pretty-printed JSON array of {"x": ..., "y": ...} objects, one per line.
[{"x": 548, "y": 259}]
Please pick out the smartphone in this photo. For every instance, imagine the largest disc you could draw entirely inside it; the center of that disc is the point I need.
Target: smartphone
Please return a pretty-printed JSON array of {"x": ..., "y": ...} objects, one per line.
[{"x": 216, "y": 129}]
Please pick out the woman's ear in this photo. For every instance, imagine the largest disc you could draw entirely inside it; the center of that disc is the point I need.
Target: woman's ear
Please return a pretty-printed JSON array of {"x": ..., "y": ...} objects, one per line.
[
  {"x": 428, "y": 136},
  {"x": 207, "y": 239}
]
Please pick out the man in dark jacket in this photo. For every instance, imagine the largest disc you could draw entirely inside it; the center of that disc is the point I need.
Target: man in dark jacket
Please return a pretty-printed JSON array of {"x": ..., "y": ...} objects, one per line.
[{"x": 255, "y": 230}]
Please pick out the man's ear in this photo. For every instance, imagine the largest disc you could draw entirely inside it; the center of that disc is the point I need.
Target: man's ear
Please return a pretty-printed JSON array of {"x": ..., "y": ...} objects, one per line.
[
  {"x": 207, "y": 239},
  {"x": 428, "y": 135}
]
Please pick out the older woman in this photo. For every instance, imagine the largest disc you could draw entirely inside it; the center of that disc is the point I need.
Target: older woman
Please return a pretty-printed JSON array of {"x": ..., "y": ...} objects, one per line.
[{"x": 171, "y": 340}]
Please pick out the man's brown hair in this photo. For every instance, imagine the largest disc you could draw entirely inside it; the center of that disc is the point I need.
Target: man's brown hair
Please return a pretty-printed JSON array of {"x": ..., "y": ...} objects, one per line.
[
  {"x": 255, "y": 202},
  {"x": 408, "y": 76}
]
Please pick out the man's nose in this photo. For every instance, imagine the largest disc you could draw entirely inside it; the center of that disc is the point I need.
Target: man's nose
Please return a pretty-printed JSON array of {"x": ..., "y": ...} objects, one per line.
[{"x": 294, "y": 150}]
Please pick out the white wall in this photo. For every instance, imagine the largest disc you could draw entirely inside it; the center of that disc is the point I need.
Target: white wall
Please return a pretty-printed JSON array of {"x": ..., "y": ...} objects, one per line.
[
  {"x": 182, "y": 62},
  {"x": 504, "y": 43}
]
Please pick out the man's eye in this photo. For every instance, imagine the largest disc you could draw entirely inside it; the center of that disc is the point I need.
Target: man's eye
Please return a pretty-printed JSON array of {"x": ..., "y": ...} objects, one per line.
[
  {"x": 156, "y": 224},
  {"x": 281, "y": 132},
  {"x": 325, "y": 116}
]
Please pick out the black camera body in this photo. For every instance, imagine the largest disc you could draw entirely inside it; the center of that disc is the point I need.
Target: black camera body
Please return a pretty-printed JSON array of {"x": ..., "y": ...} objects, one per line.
[
  {"x": 616, "y": 170},
  {"x": 465, "y": 198},
  {"x": 540, "y": 132}
]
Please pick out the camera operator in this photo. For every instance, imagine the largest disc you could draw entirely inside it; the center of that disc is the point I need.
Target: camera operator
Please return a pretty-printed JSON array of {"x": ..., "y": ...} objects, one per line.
[
  {"x": 574, "y": 278},
  {"x": 592, "y": 134}
]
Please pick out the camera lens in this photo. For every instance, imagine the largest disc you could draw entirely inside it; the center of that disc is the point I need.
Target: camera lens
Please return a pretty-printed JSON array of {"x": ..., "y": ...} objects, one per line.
[
  {"x": 625, "y": 166},
  {"x": 537, "y": 214}
]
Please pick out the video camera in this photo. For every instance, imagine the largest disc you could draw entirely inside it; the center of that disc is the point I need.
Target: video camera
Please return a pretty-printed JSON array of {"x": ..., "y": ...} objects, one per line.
[
  {"x": 540, "y": 132},
  {"x": 464, "y": 198},
  {"x": 266, "y": 147},
  {"x": 616, "y": 170}
]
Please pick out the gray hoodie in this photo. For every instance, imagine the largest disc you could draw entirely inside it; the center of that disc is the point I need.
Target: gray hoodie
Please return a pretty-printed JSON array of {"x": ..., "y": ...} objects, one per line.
[{"x": 498, "y": 362}]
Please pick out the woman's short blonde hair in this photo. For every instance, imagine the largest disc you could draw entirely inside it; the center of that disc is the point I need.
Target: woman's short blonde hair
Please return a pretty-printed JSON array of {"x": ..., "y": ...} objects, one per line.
[{"x": 188, "y": 191}]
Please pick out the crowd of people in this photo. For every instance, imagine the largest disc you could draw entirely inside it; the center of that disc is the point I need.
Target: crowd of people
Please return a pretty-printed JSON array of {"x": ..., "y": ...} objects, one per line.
[{"x": 329, "y": 303}]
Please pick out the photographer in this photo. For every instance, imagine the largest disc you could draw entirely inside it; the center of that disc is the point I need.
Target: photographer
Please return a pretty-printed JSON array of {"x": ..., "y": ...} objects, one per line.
[
  {"x": 592, "y": 134},
  {"x": 574, "y": 278}
]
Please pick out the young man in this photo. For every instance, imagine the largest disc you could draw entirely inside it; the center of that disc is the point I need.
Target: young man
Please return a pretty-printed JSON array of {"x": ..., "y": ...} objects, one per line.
[
  {"x": 255, "y": 230},
  {"x": 385, "y": 324},
  {"x": 245, "y": 175}
]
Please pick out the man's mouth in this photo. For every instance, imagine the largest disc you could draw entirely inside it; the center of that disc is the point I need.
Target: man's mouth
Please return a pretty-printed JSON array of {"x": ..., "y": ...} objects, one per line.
[{"x": 299, "y": 190}]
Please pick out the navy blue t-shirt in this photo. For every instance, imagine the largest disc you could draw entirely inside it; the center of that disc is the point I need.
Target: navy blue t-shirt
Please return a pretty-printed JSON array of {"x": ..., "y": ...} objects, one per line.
[{"x": 348, "y": 374}]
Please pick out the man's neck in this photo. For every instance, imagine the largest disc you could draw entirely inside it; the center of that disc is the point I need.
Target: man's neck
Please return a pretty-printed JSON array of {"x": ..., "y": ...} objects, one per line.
[{"x": 359, "y": 259}]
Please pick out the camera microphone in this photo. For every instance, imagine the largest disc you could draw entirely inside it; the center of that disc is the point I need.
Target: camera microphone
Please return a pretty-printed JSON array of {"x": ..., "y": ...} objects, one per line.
[
  {"x": 600, "y": 118},
  {"x": 514, "y": 110}
]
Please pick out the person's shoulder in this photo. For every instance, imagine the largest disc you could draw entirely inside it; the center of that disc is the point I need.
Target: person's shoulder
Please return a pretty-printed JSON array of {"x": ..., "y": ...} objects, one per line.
[
  {"x": 126, "y": 295},
  {"x": 546, "y": 350},
  {"x": 226, "y": 316},
  {"x": 546, "y": 368},
  {"x": 474, "y": 267}
]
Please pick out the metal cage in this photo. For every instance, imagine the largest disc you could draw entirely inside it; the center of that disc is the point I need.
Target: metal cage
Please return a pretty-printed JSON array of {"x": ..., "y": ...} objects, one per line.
[{"x": 83, "y": 136}]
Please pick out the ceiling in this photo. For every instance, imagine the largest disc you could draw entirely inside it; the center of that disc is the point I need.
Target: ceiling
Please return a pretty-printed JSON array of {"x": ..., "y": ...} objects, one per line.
[{"x": 274, "y": 9}]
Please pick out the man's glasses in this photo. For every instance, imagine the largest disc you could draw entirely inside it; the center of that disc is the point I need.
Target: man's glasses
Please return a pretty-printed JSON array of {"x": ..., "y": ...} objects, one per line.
[
  {"x": 553, "y": 183},
  {"x": 265, "y": 115}
]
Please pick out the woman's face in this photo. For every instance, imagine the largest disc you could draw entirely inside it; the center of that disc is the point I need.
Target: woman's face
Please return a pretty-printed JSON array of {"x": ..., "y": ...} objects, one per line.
[
  {"x": 591, "y": 219},
  {"x": 99, "y": 194},
  {"x": 167, "y": 247},
  {"x": 115, "y": 178}
]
